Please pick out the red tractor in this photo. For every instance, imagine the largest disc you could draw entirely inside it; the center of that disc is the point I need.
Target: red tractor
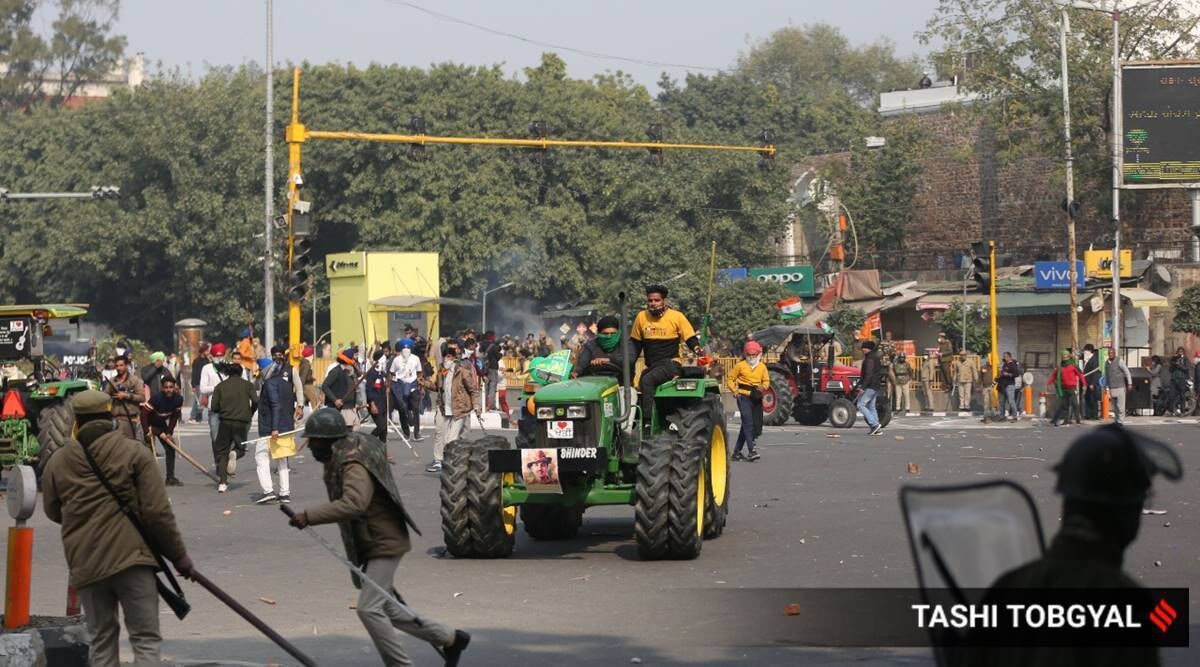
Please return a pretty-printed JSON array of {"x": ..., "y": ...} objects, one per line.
[{"x": 807, "y": 383}]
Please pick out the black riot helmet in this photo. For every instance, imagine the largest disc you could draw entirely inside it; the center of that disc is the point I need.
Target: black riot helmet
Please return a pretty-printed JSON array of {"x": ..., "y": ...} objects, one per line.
[
  {"x": 326, "y": 423},
  {"x": 1112, "y": 465}
]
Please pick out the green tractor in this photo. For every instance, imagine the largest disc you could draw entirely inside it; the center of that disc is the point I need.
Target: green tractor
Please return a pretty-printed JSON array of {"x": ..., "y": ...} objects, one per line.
[
  {"x": 581, "y": 443},
  {"x": 35, "y": 416}
]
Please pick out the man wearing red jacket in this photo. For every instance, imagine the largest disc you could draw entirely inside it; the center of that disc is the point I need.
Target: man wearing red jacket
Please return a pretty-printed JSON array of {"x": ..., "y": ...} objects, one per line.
[{"x": 1066, "y": 381}]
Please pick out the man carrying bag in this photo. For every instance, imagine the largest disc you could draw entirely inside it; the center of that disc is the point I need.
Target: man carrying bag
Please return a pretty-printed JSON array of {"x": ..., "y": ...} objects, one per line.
[{"x": 117, "y": 530}]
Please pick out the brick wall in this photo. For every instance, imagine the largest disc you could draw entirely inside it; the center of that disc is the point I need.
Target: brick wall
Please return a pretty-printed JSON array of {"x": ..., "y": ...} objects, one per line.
[{"x": 965, "y": 194}]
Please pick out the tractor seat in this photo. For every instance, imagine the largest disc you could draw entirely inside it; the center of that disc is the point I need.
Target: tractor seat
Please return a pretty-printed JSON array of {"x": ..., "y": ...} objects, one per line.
[{"x": 693, "y": 372}]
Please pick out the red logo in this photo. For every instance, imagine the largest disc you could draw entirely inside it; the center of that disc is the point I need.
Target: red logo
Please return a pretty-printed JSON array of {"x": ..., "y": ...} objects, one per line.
[
  {"x": 562, "y": 425},
  {"x": 1162, "y": 615}
]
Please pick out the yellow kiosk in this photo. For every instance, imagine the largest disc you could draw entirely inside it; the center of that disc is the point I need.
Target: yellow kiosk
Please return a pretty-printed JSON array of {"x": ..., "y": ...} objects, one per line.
[{"x": 372, "y": 295}]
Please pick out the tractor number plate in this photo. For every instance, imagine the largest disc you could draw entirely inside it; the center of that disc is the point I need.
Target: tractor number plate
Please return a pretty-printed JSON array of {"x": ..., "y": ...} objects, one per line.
[{"x": 560, "y": 429}]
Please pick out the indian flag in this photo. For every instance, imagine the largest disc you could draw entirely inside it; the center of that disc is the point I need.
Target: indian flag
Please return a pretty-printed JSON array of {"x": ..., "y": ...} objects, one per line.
[{"x": 790, "y": 308}]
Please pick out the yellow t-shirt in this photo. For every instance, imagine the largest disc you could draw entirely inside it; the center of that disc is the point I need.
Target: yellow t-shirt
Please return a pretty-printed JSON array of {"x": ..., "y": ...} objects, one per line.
[
  {"x": 744, "y": 375},
  {"x": 660, "y": 336}
]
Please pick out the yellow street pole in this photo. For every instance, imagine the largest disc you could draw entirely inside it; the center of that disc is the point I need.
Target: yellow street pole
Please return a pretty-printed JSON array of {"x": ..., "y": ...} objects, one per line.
[
  {"x": 994, "y": 355},
  {"x": 297, "y": 134}
]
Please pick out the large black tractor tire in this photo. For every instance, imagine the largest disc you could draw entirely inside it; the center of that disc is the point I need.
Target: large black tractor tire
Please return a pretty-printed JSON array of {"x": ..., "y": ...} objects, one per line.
[
  {"x": 55, "y": 423},
  {"x": 777, "y": 404},
  {"x": 669, "y": 498},
  {"x": 475, "y": 523},
  {"x": 812, "y": 415},
  {"x": 551, "y": 522},
  {"x": 712, "y": 437},
  {"x": 842, "y": 413}
]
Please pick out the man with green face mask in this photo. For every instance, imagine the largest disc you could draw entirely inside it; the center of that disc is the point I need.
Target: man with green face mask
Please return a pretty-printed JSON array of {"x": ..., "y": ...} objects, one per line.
[{"x": 597, "y": 354}]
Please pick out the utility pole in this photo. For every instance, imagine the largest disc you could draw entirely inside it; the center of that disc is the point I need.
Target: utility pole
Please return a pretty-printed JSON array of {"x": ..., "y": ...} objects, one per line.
[
  {"x": 1117, "y": 177},
  {"x": 268, "y": 186},
  {"x": 1070, "y": 206}
]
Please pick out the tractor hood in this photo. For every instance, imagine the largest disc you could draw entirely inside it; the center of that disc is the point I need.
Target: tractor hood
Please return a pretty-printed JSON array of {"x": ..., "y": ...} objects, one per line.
[
  {"x": 839, "y": 369},
  {"x": 576, "y": 391}
]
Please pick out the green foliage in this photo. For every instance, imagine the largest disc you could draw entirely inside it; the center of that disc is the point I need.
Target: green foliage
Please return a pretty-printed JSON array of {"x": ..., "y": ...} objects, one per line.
[
  {"x": 846, "y": 321},
  {"x": 878, "y": 186},
  {"x": 79, "y": 48},
  {"x": 741, "y": 307},
  {"x": 979, "y": 340},
  {"x": 1009, "y": 52},
  {"x": 1187, "y": 311}
]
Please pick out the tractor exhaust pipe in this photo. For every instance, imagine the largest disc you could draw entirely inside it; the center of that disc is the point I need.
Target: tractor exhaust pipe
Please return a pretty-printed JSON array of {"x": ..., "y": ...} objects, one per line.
[{"x": 626, "y": 370}]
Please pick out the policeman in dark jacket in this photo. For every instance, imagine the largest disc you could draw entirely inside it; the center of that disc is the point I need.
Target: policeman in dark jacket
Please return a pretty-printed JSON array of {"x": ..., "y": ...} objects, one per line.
[
  {"x": 281, "y": 401},
  {"x": 1104, "y": 479}
]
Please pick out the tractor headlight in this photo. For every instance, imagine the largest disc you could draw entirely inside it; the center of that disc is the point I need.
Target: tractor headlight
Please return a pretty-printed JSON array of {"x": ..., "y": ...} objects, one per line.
[
  {"x": 687, "y": 385},
  {"x": 834, "y": 385},
  {"x": 545, "y": 413},
  {"x": 577, "y": 412}
]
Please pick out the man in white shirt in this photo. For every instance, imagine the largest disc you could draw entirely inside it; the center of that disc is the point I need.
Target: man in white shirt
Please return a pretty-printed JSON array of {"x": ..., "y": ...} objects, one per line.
[
  {"x": 406, "y": 392},
  {"x": 210, "y": 377}
]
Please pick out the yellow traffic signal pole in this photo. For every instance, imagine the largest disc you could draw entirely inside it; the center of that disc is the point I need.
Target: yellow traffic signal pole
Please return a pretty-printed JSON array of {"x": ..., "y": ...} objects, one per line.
[
  {"x": 994, "y": 355},
  {"x": 297, "y": 134}
]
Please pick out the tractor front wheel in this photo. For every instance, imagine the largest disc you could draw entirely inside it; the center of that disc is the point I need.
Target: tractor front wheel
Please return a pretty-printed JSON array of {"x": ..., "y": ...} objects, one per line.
[
  {"x": 670, "y": 495},
  {"x": 842, "y": 413},
  {"x": 777, "y": 400},
  {"x": 551, "y": 522},
  {"x": 55, "y": 423},
  {"x": 475, "y": 522}
]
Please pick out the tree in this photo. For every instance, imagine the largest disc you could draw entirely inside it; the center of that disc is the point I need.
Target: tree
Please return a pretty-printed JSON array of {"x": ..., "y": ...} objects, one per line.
[
  {"x": 1187, "y": 311},
  {"x": 979, "y": 339},
  {"x": 744, "y": 306},
  {"x": 1008, "y": 51},
  {"x": 846, "y": 322},
  {"x": 80, "y": 48}
]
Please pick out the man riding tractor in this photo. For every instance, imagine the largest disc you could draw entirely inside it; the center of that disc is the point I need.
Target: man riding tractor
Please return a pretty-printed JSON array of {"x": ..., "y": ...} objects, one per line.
[{"x": 657, "y": 332}]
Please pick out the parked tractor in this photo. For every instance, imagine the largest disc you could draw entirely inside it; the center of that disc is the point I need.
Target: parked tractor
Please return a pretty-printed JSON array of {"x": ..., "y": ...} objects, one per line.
[
  {"x": 807, "y": 383},
  {"x": 35, "y": 415},
  {"x": 586, "y": 437}
]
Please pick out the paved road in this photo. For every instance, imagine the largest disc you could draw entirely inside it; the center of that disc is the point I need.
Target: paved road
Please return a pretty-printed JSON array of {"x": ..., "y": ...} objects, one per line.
[{"x": 816, "y": 511}]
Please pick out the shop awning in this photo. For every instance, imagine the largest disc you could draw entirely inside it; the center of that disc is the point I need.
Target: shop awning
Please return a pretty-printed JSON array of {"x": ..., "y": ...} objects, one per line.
[
  {"x": 1144, "y": 298},
  {"x": 1034, "y": 303},
  {"x": 414, "y": 300},
  {"x": 906, "y": 296}
]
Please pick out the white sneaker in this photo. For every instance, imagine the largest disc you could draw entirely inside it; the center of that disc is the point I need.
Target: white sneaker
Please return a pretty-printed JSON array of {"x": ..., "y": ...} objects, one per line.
[
  {"x": 231, "y": 467},
  {"x": 221, "y": 488}
]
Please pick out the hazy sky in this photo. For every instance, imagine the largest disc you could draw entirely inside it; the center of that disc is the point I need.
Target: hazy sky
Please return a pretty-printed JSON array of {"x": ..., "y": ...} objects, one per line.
[{"x": 704, "y": 33}]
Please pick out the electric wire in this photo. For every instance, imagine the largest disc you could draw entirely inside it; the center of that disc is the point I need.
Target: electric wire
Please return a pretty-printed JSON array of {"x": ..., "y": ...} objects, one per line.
[{"x": 550, "y": 45}]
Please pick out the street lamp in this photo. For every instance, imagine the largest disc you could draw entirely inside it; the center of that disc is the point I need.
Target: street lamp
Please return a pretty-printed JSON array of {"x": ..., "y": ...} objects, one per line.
[{"x": 485, "y": 296}]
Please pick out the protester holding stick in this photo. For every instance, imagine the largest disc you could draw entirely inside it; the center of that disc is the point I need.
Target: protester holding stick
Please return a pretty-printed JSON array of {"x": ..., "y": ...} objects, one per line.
[
  {"x": 364, "y": 501},
  {"x": 165, "y": 409}
]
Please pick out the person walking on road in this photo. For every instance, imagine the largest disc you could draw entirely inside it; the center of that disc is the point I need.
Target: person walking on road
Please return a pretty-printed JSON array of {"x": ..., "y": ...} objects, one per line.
[
  {"x": 456, "y": 393},
  {"x": 1091, "y": 375},
  {"x": 1119, "y": 381},
  {"x": 212, "y": 375},
  {"x": 312, "y": 395},
  {"x": 406, "y": 373},
  {"x": 280, "y": 398},
  {"x": 378, "y": 388},
  {"x": 871, "y": 381},
  {"x": 198, "y": 367},
  {"x": 234, "y": 401},
  {"x": 365, "y": 503},
  {"x": 108, "y": 561},
  {"x": 748, "y": 380},
  {"x": 340, "y": 387},
  {"x": 1067, "y": 381}
]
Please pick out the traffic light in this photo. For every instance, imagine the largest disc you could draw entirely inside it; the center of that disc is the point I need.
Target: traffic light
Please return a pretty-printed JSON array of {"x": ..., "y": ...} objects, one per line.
[
  {"x": 655, "y": 133},
  {"x": 301, "y": 250},
  {"x": 981, "y": 266},
  {"x": 767, "y": 138},
  {"x": 416, "y": 125}
]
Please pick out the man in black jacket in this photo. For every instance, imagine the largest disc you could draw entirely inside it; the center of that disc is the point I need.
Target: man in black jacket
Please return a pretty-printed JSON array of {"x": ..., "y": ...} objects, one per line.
[
  {"x": 870, "y": 382},
  {"x": 340, "y": 387}
]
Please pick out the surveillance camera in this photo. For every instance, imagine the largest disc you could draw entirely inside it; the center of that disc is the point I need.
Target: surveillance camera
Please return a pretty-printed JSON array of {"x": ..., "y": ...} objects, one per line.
[
  {"x": 298, "y": 179},
  {"x": 302, "y": 206}
]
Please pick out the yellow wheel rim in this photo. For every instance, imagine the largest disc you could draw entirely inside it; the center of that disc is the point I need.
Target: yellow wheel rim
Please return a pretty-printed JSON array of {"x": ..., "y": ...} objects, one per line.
[
  {"x": 719, "y": 465},
  {"x": 700, "y": 488},
  {"x": 508, "y": 513}
]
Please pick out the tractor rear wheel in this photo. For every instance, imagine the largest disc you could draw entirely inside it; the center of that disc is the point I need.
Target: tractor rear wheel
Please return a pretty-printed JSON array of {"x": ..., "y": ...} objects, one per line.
[
  {"x": 715, "y": 442},
  {"x": 55, "y": 423},
  {"x": 812, "y": 415},
  {"x": 883, "y": 409},
  {"x": 669, "y": 505},
  {"x": 475, "y": 522},
  {"x": 777, "y": 400},
  {"x": 842, "y": 413},
  {"x": 551, "y": 522}
]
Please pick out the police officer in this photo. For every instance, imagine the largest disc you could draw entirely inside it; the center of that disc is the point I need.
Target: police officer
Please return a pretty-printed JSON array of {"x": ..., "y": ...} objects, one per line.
[
  {"x": 108, "y": 561},
  {"x": 364, "y": 501},
  {"x": 1104, "y": 479}
]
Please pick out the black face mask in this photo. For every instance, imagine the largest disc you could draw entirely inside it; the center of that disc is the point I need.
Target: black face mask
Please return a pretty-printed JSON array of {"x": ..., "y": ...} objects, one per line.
[
  {"x": 321, "y": 454},
  {"x": 657, "y": 312}
]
